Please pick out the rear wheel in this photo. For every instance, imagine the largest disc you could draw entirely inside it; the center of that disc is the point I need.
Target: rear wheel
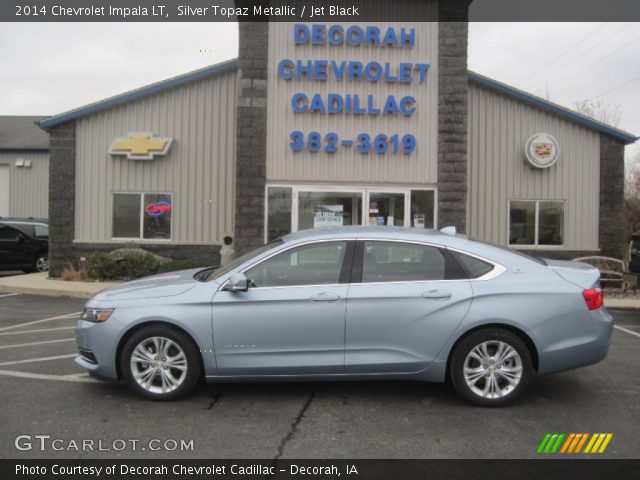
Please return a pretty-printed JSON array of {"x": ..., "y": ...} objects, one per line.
[
  {"x": 41, "y": 263},
  {"x": 160, "y": 363},
  {"x": 491, "y": 367}
]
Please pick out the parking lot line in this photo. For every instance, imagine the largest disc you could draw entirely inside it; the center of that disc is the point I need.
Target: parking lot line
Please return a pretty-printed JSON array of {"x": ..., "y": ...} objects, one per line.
[
  {"x": 9, "y": 295},
  {"x": 630, "y": 332},
  {"x": 3, "y": 347},
  {"x": 41, "y": 376},
  {"x": 39, "y": 330},
  {"x": 40, "y": 359},
  {"x": 59, "y": 317}
]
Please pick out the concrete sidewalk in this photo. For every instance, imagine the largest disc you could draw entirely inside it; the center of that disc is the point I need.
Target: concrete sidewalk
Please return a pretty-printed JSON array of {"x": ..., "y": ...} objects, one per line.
[{"x": 40, "y": 284}]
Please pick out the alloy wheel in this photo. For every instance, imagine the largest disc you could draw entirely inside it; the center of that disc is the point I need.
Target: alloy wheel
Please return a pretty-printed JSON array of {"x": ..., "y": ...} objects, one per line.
[
  {"x": 158, "y": 365},
  {"x": 492, "y": 369}
]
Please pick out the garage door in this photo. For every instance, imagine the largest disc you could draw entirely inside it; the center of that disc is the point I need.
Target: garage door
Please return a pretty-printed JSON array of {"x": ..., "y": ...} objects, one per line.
[{"x": 4, "y": 190}]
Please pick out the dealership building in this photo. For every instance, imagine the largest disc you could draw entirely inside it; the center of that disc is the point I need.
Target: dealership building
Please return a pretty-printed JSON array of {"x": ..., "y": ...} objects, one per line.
[
  {"x": 323, "y": 124},
  {"x": 24, "y": 167}
]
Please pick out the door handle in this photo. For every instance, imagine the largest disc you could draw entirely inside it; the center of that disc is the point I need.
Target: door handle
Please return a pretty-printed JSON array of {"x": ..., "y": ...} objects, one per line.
[
  {"x": 436, "y": 295},
  {"x": 325, "y": 297}
]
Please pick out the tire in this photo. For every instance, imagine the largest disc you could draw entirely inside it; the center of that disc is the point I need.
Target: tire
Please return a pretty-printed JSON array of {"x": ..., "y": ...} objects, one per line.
[
  {"x": 490, "y": 379},
  {"x": 41, "y": 263},
  {"x": 147, "y": 373}
]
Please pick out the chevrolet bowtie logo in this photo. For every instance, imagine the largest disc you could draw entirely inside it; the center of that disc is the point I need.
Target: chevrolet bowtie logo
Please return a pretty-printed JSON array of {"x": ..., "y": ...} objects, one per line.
[{"x": 140, "y": 146}]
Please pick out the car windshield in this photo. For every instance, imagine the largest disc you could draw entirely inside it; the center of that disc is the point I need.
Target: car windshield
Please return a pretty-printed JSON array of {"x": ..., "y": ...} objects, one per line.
[{"x": 218, "y": 272}]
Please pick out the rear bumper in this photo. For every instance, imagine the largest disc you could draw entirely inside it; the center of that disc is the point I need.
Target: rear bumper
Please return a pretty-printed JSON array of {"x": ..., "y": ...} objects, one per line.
[{"x": 589, "y": 345}]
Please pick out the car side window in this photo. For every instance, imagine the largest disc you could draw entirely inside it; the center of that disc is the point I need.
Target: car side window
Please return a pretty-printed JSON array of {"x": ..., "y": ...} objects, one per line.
[
  {"x": 8, "y": 234},
  {"x": 41, "y": 231},
  {"x": 314, "y": 264},
  {"x": 474, "y": 266},
  {"x": 401, "y": 262}
]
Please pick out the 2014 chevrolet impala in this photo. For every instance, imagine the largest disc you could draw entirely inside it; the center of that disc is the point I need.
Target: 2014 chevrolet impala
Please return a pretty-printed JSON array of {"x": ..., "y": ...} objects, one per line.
[{"x": 352, "y": 303}]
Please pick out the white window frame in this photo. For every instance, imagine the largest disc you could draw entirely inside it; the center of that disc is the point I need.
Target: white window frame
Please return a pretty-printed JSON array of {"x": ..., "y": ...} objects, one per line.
[
  {"x": 364, "y": 190},
  {"x": 536, "y": 245},
  {"x": 140, "y": 238}
]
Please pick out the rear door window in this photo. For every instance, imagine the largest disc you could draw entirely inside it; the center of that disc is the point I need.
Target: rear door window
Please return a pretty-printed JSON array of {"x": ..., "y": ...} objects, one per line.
[
  {"x": 474, "y": 266},
  {"x": 401, "y": 262}
]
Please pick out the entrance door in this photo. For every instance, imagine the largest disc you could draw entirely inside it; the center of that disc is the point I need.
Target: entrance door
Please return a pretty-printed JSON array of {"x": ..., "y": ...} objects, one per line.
[
  {"x": 387, "y": 209},
  {"x": 4, "y": 190}
]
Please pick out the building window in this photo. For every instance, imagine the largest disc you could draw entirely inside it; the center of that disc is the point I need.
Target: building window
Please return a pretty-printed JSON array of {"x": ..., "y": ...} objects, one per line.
[
  {"x": 536, "y": 222},
  {"x": 422, "y": 209},
  {"x": 144, "y": 216},
  {"x": 278, "y": 212}
]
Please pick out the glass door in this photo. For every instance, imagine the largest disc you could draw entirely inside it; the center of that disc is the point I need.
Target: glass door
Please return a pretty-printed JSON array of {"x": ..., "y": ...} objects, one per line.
[
  {"x": 386, "y": 209},
  {"x": 319, "y": 209}
]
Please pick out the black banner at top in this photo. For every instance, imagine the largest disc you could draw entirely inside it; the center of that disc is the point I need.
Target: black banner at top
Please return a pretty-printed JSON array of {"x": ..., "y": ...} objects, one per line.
[{"x": 318, "y": 10}]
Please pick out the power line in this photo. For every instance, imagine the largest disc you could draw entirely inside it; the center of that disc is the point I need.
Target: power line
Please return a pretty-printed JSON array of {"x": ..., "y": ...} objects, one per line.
[
  {"x": 620, "y": 12},
  {"x": 592, "y": 50},
  {"x": 617, "y": 87},
  {"x": 600, "y": 60},
  {"x": 590, "y": 35}
]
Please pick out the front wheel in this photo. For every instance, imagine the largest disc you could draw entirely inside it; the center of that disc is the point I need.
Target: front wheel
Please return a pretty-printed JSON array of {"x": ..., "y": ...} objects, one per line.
[
  {"x": 160, "y": 363},
  {"x": 491, "y": 367}
]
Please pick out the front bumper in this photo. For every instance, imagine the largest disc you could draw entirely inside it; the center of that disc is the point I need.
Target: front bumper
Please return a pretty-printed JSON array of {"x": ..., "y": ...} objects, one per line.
[{"x": 97, "y": 340}]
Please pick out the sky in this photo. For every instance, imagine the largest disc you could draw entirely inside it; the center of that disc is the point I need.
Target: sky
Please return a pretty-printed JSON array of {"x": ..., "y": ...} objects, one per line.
[{"x": 49, "y": 68}]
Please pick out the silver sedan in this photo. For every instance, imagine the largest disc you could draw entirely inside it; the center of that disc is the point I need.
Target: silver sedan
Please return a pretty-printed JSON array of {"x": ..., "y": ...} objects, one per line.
[{"x": 352, "y": 303}]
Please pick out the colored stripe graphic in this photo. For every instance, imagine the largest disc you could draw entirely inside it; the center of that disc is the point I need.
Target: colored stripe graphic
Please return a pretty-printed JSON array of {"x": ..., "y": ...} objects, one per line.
[{"x": 573, "y": 443}]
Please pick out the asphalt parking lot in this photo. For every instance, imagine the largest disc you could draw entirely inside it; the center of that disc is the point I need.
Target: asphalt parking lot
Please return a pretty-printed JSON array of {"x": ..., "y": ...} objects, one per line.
[{"x": 42, "y": 392}]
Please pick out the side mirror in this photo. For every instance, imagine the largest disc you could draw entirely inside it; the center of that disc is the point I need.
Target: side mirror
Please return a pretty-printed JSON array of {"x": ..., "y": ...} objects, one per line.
[
  {"x": 21, "y": 238},
  {"x": 237, "y": 283}
]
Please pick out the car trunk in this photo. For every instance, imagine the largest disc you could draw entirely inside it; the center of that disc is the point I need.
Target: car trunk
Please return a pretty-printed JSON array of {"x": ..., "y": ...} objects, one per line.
[{"x": 581, "y": 274}]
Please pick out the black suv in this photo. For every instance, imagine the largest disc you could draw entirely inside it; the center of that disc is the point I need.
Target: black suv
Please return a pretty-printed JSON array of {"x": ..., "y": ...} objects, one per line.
[{"x": 24, "y": 244}]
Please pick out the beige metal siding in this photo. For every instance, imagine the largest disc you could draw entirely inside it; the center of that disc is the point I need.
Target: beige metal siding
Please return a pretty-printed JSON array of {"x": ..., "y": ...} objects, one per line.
[
  {"x": 28, "y": 187},
  {"x": 498, "y": 129},
  {"x": 198, "y": 170},
  {"x": 347, "y": 165}
]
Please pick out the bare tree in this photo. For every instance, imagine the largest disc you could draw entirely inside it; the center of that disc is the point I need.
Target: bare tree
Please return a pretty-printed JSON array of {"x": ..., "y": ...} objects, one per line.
[
  {"x": 632, "y": 202},
  {"x": 608, "y": 113}
]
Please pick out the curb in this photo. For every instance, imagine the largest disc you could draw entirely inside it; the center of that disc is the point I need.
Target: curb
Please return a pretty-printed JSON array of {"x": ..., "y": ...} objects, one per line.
[{"x": 51, "y": 292}]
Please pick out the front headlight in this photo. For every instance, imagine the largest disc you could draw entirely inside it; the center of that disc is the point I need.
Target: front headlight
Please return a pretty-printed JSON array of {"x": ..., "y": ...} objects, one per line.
[{"x": 96, "y": 315}]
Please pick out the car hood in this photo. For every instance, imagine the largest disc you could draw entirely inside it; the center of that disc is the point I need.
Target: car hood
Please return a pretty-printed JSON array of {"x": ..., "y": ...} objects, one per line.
[
  {"x": 163, "y": 285},
  {"x": 581, "y": 274}
]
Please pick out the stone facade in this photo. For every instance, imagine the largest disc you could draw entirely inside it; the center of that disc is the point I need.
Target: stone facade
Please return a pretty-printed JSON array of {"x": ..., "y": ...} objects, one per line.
[
  {"x": 611, "y": 233},
  {"x": 251, "y": 136},
  {"x": 62, "y": 183},
  {"x": 452, "y": 114}
]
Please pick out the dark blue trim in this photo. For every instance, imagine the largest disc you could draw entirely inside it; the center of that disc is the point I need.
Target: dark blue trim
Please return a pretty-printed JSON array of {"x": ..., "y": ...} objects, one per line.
[
  {"x": 24, "y": 150},
  {"x": 139, "y": 93},
  {"x": 552, "y": 107}
]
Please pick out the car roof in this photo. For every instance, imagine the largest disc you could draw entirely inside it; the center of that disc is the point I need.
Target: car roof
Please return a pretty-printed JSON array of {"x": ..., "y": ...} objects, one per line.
[
  {"x": 394, "y": 233},
  {"x": 29, "y": 220}
]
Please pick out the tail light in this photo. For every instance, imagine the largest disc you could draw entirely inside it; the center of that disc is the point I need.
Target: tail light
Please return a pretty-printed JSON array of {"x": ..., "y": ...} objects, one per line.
[{"x": 593, "y": 297}]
